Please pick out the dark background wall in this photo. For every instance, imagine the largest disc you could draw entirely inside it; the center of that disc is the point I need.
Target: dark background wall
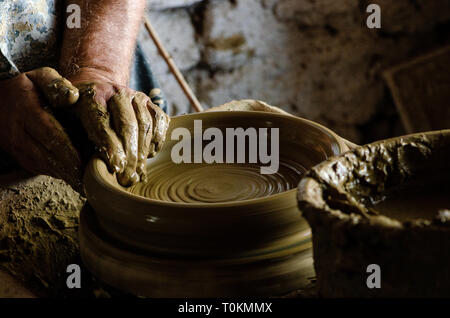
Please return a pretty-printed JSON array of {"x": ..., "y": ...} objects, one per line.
[{"x": 314, "y": 58}]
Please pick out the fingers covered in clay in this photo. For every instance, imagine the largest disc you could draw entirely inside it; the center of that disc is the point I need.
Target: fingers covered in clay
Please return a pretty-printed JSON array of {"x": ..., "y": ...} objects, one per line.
[
  {"x": 160, "y": 125},
  {"x": 127, "y": 129},
  {"x": 125, "y": 125},
  {"x": 57, "y": 90},
  {"x": 95, "y": 117},
  {"x": 145, "y": 124}
]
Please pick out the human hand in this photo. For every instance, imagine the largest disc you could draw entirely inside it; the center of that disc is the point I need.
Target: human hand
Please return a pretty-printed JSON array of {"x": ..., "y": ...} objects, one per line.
[
  {"x": 125, "y": 126},
  {"x": 30, "y": 133}
]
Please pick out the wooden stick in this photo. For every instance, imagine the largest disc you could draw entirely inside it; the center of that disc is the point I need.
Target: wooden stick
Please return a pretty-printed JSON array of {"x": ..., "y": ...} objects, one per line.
[{"x": 173, "y": 68}]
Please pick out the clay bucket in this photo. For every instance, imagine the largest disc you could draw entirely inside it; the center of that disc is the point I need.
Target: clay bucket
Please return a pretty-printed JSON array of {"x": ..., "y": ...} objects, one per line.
[
  {"x": 245, "y": 228},
  {"x": 388, "y": 204}
]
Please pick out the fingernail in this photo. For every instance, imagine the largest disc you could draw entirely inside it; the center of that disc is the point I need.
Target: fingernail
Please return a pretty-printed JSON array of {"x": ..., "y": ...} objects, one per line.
[
  {"x": 142, "y": 173},
  {"x": 134, "y": 178},
  {"x": 117, "y": 164},
  {"x": 152, "y": 151},
  {"x": 127, "y": 179},
  {"x": 143, "y": 177},
  {"x": 115, "y": 169},
  {"x": 123, "y": 179},
  {"x": 72, "y": 96}
]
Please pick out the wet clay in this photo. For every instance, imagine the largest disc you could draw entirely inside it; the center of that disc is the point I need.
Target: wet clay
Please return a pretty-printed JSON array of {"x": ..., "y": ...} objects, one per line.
[
  {"x": 189, "y": 209},
  {"x": 248, "y": 105},
  {"x": 214, "y": 183},
  {"x": 154, "y": 275},
  {"x": 426, "y": 203},
  {"x": 96, "y": 121},
  {"x": 57, "y": 90},
  {"x": 126, "y": 130},
  {"x": 385, "y": 203},
  {"x": 232, "y": 182},
  {"x": 60, "y": 92},
  {"x": 237, "y": 231},
  {"x": 358, "y": 180}
]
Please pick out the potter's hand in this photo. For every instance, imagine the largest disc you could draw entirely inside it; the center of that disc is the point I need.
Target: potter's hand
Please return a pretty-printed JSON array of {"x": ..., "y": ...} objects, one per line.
[
  {"x": 29, "y": 133},
  {"x": 125, "y": 125}
]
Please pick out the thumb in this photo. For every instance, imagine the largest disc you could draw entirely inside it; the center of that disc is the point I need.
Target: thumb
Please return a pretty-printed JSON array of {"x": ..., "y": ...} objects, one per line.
[{"x": 57, "y": 90}]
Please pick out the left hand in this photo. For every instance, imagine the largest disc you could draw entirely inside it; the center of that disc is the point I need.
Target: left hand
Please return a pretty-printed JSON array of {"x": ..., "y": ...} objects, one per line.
[
  {"x": 28, "y": 130},
  {"x": 125, "y": 126}
]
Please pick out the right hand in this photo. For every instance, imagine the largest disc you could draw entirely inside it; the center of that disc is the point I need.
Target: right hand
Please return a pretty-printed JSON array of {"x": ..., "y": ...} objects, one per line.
[
  {"x": 30, "y": 133},
  {"x": 125, "y": 126}
]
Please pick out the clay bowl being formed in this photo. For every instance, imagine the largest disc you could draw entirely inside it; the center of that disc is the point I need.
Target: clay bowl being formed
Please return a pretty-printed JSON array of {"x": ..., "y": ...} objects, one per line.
[
  {"x": 202, "y": 230},
  {"x": 387, "y": 204},
  {"x": 214, "y": 210}
]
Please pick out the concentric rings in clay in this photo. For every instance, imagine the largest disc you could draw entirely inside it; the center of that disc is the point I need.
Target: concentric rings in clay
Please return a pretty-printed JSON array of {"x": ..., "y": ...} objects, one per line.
[
  {"x": 214, "y": 210},
  {"x": 216, "y": 183}
]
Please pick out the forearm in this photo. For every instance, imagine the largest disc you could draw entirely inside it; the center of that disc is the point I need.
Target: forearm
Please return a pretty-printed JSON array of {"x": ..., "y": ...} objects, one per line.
[{"x": 106, "y": 40}]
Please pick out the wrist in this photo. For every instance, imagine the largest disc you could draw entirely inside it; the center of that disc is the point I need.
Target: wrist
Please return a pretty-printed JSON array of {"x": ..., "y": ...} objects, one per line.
[{"x": 94, "y": 74}]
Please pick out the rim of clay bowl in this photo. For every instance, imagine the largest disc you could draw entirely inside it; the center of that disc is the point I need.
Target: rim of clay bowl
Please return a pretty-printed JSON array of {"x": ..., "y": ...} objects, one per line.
[
  {"x": 92, "y": 170},
  {"x": 311, "y": 186}
]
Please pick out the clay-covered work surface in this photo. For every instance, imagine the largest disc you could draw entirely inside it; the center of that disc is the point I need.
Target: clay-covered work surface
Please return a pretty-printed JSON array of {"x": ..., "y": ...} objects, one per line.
[
  {"x": 357, "y": 205},
  {"x": 38, "y": 230}
]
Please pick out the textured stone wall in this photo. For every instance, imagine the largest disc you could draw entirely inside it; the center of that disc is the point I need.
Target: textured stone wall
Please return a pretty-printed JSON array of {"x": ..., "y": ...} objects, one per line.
[{"x": 313, "y": 58}]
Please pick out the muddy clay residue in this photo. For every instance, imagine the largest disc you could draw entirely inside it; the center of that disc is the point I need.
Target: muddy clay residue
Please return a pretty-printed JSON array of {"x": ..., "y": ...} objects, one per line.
[
  {"x": 215, "y": 183},
  {"x": 139, "y": 129},
  {"x": 425, "y": 203},
  {"x": 38, "y": 230},
  {"x": 385, "y": 203},
  {"x": 356, "y": 181}
]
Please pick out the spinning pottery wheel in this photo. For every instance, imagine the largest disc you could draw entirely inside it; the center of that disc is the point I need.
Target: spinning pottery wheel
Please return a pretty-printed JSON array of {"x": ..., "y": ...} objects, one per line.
[{"x": 197, "y": 229}]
